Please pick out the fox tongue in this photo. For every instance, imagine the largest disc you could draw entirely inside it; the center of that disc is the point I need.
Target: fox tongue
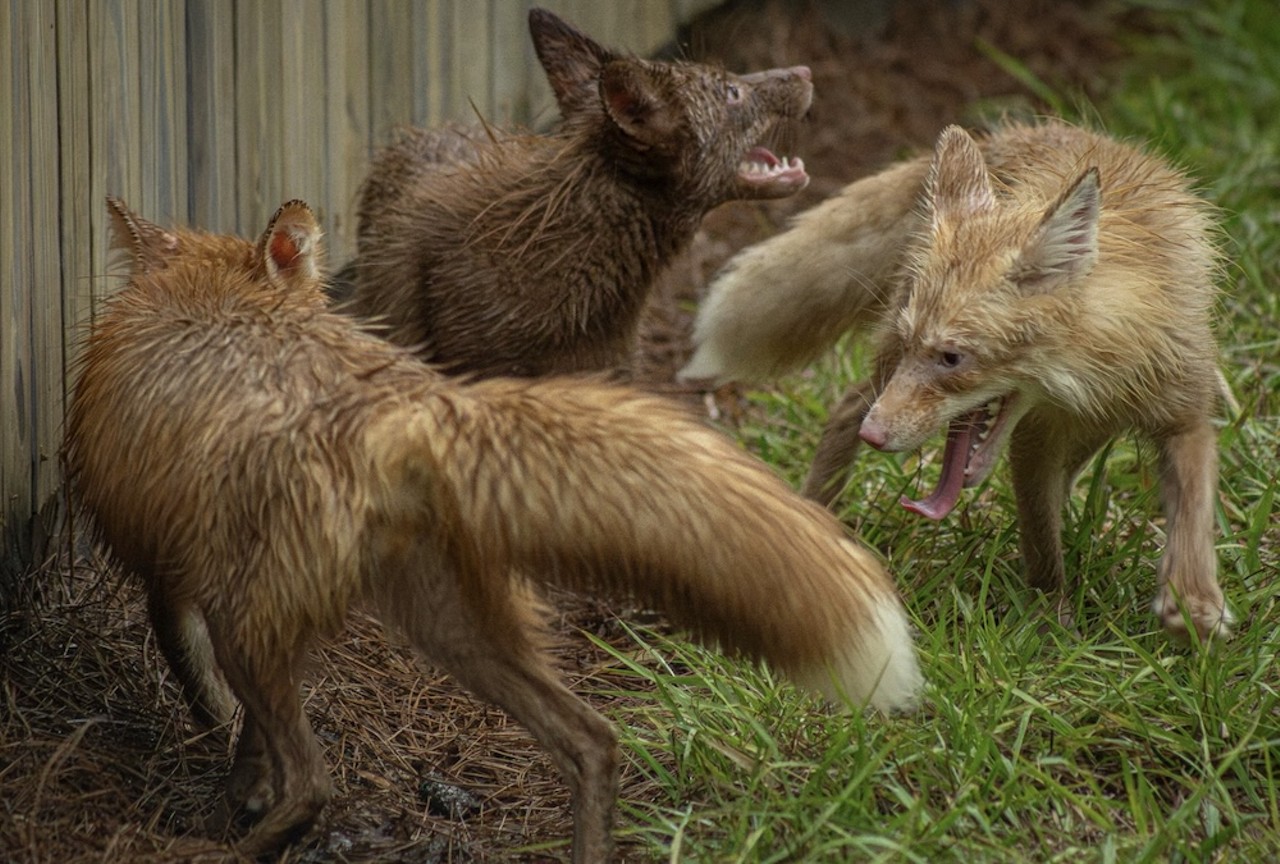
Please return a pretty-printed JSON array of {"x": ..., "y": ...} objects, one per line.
[{"x": 954, "y": 458}]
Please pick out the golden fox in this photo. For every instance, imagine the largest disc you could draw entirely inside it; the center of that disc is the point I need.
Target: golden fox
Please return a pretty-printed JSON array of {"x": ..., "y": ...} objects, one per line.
[
  {"x": 263, "y": 465},
  {"x": 1041, "y": 287}
]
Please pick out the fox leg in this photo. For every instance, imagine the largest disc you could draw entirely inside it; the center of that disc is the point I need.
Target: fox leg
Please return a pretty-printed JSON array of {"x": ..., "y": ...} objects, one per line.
[
  {"x": 838, "y": 445},
  {"x": 581, "y": 743},
  {"x": 497, "y": 656},
  {"x": 1046, "y": 453},
  {"x": 1038, "y": 459},
  {"x": 184, "y": 641},
  {"x": 1187, "y": 577},
  {"x": 279, "y": 774}
]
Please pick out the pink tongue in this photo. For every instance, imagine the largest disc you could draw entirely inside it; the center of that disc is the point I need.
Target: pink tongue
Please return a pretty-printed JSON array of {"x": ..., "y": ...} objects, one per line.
[
  {"x": 762, "y": 154},
  {"x": 954, "y": 458}
]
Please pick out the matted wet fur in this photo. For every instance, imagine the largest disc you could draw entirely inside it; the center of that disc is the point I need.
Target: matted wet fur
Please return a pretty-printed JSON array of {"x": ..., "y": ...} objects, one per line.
[
  {"x": 263, "y": 465},
  {"x": 494, "y": 253},
  {"x": 1043, "y": 287}
]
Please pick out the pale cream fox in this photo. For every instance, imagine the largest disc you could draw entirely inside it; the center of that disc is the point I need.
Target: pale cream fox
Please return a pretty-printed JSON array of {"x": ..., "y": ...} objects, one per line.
[
  {"x": 1041, "y": 288},
  {"x": 263, "y": 465}
]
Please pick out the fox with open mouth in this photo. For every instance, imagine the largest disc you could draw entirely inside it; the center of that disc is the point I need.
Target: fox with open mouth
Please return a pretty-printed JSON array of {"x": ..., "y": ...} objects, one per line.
[
  {"x": 1040, "y": 289},
  {"x": 497, "y": 253}
]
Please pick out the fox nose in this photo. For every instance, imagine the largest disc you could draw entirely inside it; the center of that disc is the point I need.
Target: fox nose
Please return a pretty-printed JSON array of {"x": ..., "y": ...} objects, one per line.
[{"x": 873, "y": 432}]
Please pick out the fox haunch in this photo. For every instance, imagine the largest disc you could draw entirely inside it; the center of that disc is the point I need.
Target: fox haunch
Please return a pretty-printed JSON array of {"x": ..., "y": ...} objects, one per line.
[
  {"x": 262, "y": 465},
  {"x": 1041, "y": 288},
  {"x": 495, "y": 253}
]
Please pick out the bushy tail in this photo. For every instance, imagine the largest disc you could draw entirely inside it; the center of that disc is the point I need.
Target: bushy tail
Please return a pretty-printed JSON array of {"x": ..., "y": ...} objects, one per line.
[
  {"x": 781, "y": 303},
  {"x": 603, "y": 489}
]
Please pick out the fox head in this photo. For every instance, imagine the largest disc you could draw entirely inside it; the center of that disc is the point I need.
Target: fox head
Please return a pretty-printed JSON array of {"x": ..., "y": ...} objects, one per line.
[
  {"x": 984, "y": 315},
  {"x": 697, "y": 130},
  {"x": 286, "y": 258}
]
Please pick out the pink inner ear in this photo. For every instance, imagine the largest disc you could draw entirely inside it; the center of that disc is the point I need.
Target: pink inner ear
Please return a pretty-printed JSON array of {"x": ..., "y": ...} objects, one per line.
[
  {"x": 625, "y": 106},
  {"x": 283, "y": 249}
]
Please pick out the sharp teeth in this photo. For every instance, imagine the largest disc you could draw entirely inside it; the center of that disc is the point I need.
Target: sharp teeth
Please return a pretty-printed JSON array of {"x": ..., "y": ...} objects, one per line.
[
  {"x": 989, "y": 414},
  {"x": 786, "y": 163}
]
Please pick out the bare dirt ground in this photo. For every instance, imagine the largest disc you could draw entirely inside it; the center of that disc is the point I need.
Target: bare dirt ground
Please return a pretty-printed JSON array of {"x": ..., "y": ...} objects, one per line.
[{"x": 98, "y": 761}]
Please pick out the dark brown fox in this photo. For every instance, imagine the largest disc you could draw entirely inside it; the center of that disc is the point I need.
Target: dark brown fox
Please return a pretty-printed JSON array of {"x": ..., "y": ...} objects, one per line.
[
  {"x": 263, "y": 465},
  {"x": 509, "y": 254}
]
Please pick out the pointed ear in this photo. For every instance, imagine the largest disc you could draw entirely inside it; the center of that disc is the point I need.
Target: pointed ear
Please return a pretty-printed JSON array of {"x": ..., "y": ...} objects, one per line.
[
  {"x": 1064, "y": 245},
  {"x": 147, "y": 247},
  {"x": 290, "y": 248},
  {"x": 958, "y": 184},
  {"x": 637, "y": 105},
  {"x": 571, "y": 59}
]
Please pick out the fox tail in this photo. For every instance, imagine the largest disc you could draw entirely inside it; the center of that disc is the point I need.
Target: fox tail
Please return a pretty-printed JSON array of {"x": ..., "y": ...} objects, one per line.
[
  {"x": 604, "y": 489},
  {"x": 781, "y": 303}
]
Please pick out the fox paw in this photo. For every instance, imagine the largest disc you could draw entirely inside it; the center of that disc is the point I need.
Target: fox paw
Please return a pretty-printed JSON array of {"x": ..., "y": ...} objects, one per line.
[
  {"x": 249, "y": 789},
  {"x": 1209, "y": 616}
]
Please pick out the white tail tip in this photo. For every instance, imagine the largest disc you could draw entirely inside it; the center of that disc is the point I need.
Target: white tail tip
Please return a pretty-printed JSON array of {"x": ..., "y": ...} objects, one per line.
[{"x": 878, "y": 665}]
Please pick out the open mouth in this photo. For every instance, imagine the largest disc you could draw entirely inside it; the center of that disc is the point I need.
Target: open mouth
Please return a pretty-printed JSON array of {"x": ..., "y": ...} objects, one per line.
[
  {"x": 768, "y": 176},
  {"x": 974, "y": 440}
]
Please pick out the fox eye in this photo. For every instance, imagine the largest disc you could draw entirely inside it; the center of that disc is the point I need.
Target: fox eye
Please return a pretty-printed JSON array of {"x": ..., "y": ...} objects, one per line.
[
  {"x": 732, "y": 92},
  {"x": 949, "y": 359}
]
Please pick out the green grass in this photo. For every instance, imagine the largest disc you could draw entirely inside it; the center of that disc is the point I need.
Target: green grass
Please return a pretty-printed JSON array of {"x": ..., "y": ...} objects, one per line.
[{"x": 1103, "y": 742}]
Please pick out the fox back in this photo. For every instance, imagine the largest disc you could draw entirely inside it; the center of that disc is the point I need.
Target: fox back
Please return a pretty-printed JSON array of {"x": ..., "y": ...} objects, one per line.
[
  {"x": 259, "y": 407},
  {"x": 518, "y": 254}
]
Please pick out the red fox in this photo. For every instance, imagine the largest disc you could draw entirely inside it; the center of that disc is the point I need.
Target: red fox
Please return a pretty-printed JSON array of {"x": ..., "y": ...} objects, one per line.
[
  {"x": 1043, "y": 288},
  {"x": 496, "y": 253},
  {"x": 263, "y": 465}
]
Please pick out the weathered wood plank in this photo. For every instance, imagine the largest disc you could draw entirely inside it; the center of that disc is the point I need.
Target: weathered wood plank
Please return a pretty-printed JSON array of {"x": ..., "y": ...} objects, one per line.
[
  {"x": 16, "y": 240},
  {"x": 347, "y": 125},
  {"x": 258, "y": 71},
  {"x": 114, "y": 155},
  {"x": 391, "y": 54},
  {"x": 211, "y": 147},
  {"x": 73, "y": 173},
  {"x": 44, "y": 268},
  {"x": 299, "y": 107},
  {"x": 471, "y": 61},
  {"x": 514, "y": 70},
  {"x": 162, "y": 134}
]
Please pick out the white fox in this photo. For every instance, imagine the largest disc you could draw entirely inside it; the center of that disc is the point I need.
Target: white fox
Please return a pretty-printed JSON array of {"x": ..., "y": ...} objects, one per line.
[{"x": 1043, "y": 288}]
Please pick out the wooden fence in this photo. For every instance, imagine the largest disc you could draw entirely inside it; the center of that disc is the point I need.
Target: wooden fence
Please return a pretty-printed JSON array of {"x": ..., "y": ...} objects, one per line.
[{"x": 211, "y": 113}]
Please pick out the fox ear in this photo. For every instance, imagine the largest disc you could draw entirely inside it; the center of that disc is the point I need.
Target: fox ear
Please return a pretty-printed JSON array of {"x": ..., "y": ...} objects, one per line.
[
  {"x": 1064, "y": 245},
  {"x": 290, "y": 247},
  {"x": 147, "y": 247},
  {"x": 571, "y": 59},
  {"x": 637, "y": 105},
  {"x": 958, "y": 184}
]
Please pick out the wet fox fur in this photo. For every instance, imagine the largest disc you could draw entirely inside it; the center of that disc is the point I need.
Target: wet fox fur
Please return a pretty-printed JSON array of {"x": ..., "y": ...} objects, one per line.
[
  {"x": 262, "y": 465},
  {"x": 494, "y": 253},
  {"x": 1042, "y": 287}
]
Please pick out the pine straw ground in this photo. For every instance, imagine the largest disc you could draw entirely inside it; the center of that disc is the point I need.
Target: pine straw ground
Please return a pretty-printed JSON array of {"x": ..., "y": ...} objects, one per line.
[{"x": 98, "y": 761}]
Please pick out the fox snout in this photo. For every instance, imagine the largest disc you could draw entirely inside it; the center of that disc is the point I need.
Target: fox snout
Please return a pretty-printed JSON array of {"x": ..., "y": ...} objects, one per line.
[
  {"x": 874, "y": 432},
  {"x": 802, "y": 72},
  {"x": 898, "y": 426}
]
